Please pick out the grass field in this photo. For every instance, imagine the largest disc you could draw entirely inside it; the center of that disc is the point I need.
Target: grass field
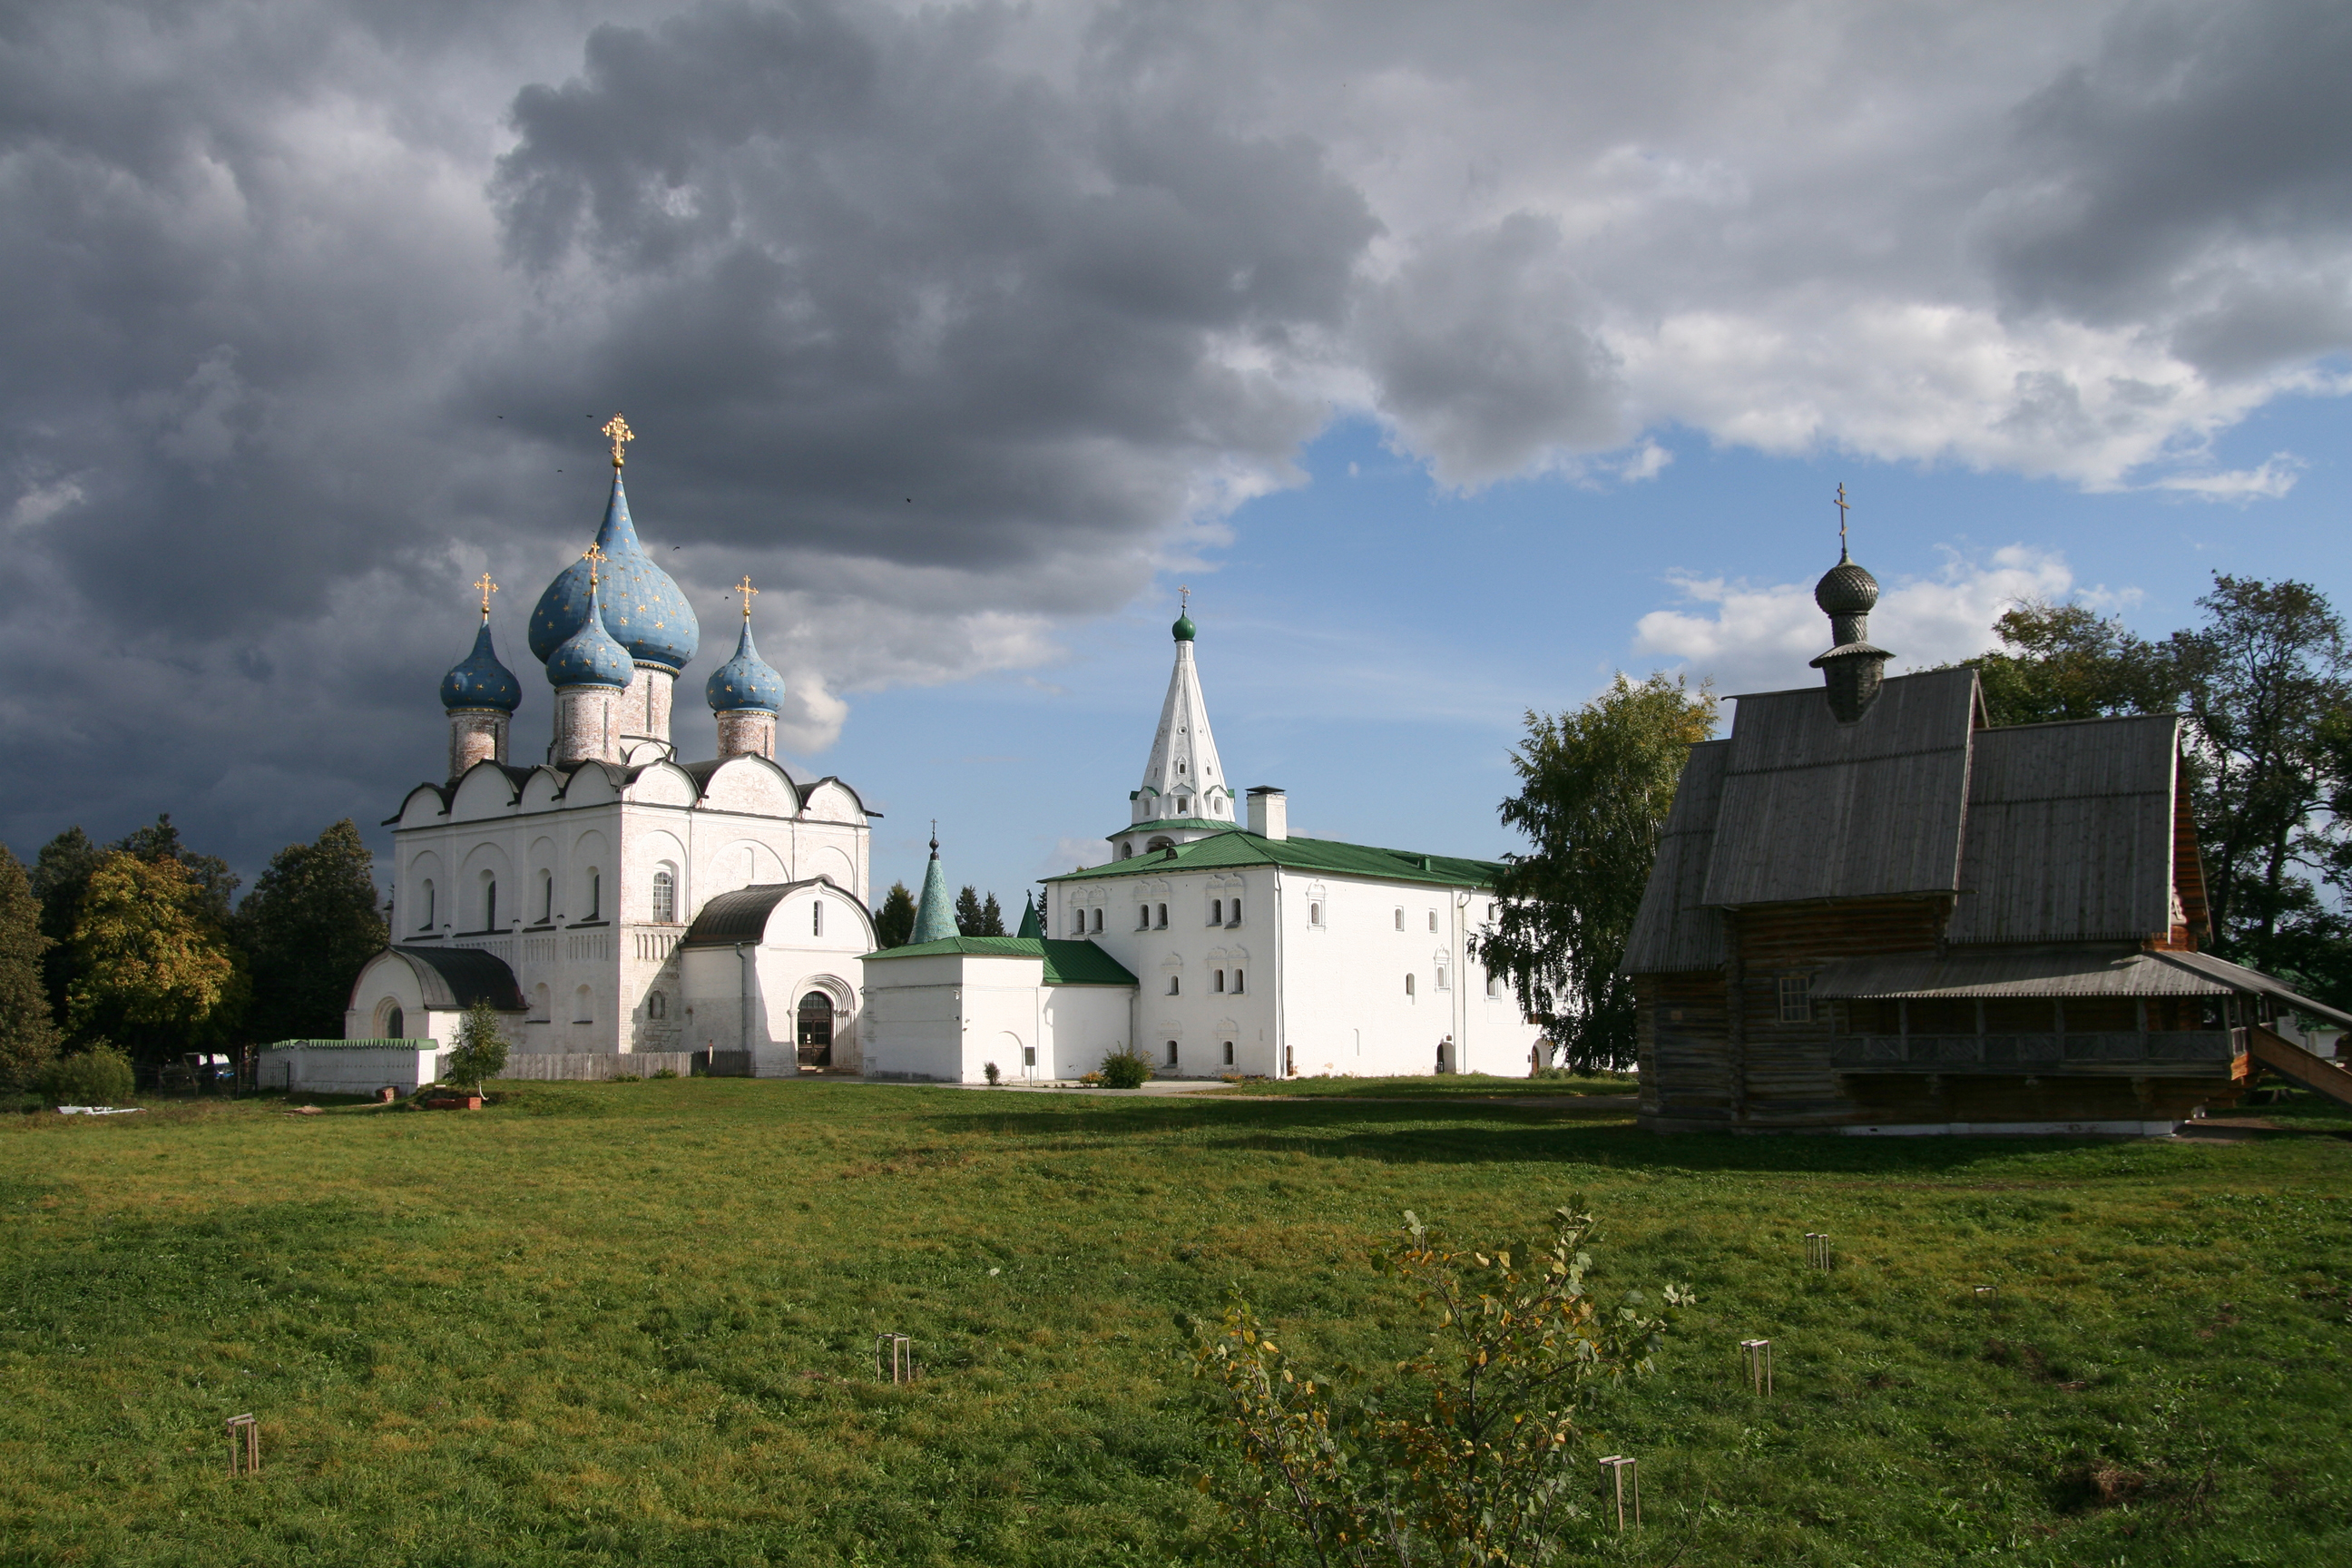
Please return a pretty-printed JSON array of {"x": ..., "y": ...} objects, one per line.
[
  {"x": 632, "y": 1323},
  {"x": 1475, "y": 1086}
]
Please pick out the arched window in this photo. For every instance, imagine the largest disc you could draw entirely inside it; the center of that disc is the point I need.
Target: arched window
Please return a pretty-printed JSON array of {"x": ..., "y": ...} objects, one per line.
[
  {"x": 390, "y": 1022},
  {"x": 1171, "y": 1053},
  {"x": 1441, "y": 984},
  {"x": 1315, "y": 914},
  {"x": 1399, "y": 919},
  {"x": 665, "y": 897},
  {"x": 584, "y": 1006},
  {"x": 1098, "y": 919},
  {"x": 1077, "y": 923},
  {"x": 489, "y": 902},
  {"x": 1216, "y": 980},
  {"x": 596, "y": 894},
  {"x": 1229, "y": 1053},
  {"x": 1175, "y": 983},
  {"x": 1233, "y": 912},
  {"x": 1217, "y": 911},
  {"x": 1142, "y": 912},
  {"x": 1408, "y": 983},
  {"x": 1433, "y": 920},
  {"x": 1163, "y": 917},
  {"x": 657, "y": 1005},
  {"x": 1237, "y": 981},
  {"x": 425, "y": 897},
  {"x": 546, "y": 898}
]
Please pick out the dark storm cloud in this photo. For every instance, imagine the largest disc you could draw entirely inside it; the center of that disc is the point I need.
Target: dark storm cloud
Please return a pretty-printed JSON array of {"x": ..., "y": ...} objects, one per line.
[{"x": 2199, "y": 167}]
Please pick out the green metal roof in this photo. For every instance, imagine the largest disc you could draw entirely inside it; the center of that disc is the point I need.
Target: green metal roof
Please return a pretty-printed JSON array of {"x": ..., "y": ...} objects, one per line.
[
  {"x": 1236, "y": 846},
  {"x": 1066, "y": 963},
  {"x": 1209, "y": 823}
]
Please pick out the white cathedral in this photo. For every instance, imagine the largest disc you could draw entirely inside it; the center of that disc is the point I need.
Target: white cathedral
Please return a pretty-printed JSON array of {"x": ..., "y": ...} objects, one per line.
[{"x": 611, "y": 898}]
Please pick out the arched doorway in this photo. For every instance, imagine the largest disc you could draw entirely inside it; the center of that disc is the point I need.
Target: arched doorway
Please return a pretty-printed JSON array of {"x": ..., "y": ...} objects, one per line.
[{"x": 815, "y": 1034}]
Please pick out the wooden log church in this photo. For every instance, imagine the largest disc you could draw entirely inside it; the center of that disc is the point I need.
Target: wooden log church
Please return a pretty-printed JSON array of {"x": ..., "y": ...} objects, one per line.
[{"x": 1871, "y": 912}]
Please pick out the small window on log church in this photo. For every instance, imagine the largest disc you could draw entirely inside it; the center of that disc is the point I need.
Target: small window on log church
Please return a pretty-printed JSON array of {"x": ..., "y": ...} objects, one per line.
[{"x": 1796, "y": 999}]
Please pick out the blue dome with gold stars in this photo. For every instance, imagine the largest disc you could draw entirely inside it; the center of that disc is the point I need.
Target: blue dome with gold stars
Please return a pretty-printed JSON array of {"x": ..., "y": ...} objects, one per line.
[
  {"x": 644, "y": 610},
  {"x": 744, "y": 682},
  {"x": 482, "y": 681},
  {"x": 590, "y": 657}
]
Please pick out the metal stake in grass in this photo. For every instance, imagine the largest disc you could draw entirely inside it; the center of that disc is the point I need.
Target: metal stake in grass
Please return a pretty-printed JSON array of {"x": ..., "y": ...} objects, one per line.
[
  {"x": 1759, "y": 1363},
  {"x": 1817, "y": 1250},
  {"x": 1621, "y": 1467},
  {"x": 244, "y": 1445},
  {"x": 1984, "y": 1295},
  {"x": 894, "y": 1358}
]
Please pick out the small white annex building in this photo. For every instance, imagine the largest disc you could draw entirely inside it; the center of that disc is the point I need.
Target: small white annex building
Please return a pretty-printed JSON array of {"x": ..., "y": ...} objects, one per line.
[
  {"x": 611, "y": 896},
  {"x": 1210, "y": 946}
]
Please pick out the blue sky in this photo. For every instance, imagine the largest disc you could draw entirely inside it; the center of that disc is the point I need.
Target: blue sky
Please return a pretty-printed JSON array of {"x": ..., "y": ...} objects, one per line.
[{"x": 1368, "y": 639}]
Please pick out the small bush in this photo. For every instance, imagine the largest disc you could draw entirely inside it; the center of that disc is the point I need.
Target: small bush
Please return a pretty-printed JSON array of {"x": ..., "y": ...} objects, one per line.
[
  {"x": 624, "y": 1078},
  {"x": 1126, "y": 1069},
  {"x": 666, "y": 1072},
  {"x": 995, "y": 1076},
  {"x": 1091, "y": 1079},
  {"x": 98, "y": 1076}
]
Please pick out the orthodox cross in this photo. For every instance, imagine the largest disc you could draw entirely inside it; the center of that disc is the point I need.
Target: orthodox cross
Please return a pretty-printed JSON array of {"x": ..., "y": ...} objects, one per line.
[
  {"x": 616, "y": 430},
  {"x": 1183, "y": 601},
  {"x": 1840, "y": 504},
  {"x": 745, "y": 588},
  {"x": 594, "y": 554},
  {"x": 488, "y": 588}
]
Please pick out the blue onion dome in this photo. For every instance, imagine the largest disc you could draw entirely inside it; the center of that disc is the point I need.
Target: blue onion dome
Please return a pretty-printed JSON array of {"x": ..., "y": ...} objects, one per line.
[
  {"x": 482, "y": 681},
  {"x": 1183, "y": 628},
  {"x": 744, "y": 682},
  {"x": 642, "y": 608},
  {"x": 590, "y": 657}
]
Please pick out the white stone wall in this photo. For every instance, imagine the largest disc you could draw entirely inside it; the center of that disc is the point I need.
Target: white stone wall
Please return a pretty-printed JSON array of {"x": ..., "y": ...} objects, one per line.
[
  {"x": 944, "y": 1018},
  {"x": 791, "y": 960},
  {"x": 573, "y": 860},
  {"x": 1321, "y": 997}
]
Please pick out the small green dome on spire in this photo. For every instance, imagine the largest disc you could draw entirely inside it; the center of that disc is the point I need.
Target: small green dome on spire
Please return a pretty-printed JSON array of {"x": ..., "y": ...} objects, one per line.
[{"x": 1183, "y": 628}]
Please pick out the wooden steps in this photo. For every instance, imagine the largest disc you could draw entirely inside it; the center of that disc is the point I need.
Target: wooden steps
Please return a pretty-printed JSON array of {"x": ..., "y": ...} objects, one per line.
[{"x": 2297, "y": 1065}]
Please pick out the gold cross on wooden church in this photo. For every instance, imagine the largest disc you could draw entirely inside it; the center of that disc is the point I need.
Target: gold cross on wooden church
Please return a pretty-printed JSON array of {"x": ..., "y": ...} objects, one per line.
[
  {"x": 616, "y": 430},
  {"x": 488, "y": 588},
  {"x": 1840, "y": 504},
  {"x": 745, "y": 588}
]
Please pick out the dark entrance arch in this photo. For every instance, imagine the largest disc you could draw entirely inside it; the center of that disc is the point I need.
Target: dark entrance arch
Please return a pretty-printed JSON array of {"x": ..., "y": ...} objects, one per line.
[{"x": 816, "y": 1030}]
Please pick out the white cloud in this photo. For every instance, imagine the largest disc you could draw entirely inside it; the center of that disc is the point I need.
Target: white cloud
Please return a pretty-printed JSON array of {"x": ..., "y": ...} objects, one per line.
[
  {"x": 2273, "y": 479},
  {"x": 1760, "y": 638}
]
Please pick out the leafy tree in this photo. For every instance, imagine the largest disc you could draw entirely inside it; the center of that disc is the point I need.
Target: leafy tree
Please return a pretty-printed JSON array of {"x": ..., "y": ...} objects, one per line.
[
  {"x": 28, "y": 1033},
  {"x": 150, "y": 962},
  {"x": 2267, "y": 682},
  {"x": 481, "y": 1048},
  {"x": 976, "y": 917},
  {"x": 60, "y": 875},
  {"x": 2065, "y": 661},
  {"x": 215, "y": 884},
  {"x": 308, "y": 925},
  {"x": 1466, "y": 1453},
  {"x": 1595, "y": 788},
  {"x": 100, "y": 1074},
  {"x": 894, "y": 922}
]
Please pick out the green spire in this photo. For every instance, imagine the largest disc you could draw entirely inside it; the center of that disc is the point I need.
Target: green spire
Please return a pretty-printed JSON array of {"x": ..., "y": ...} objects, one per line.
[
  {"x": 1031, "y": 922},
  {"x": 935, "y": 916}
]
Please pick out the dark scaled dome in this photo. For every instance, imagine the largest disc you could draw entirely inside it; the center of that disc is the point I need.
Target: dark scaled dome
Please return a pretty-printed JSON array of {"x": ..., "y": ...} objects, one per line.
[
  {"x": 644, "y": 610},
  {"x": 1846, "y": 589},
  {"x": 482, "y": 681},
  {"x": 744, "y": 682}
]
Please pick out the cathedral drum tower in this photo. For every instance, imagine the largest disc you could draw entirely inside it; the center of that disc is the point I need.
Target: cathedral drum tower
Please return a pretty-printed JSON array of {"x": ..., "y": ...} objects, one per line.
[{"x": 612, "y": 899}]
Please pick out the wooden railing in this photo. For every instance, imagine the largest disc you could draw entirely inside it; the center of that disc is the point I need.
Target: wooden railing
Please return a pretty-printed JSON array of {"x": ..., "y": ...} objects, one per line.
[{"x": 2193, "y": 1051}]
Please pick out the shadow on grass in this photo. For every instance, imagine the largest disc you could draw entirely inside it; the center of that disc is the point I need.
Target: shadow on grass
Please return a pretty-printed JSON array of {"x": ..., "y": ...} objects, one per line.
[{"x": 1496, "y": 1134}]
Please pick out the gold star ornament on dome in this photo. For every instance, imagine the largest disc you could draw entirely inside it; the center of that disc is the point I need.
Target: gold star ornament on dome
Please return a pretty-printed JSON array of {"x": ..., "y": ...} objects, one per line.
[{"x": 617, "y": 431}]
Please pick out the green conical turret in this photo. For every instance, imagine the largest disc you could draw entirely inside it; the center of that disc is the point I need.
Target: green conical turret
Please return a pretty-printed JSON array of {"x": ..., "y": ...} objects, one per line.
[
  {"x": 1031, "y": 922},
  {"x": 935, "y": 916}
]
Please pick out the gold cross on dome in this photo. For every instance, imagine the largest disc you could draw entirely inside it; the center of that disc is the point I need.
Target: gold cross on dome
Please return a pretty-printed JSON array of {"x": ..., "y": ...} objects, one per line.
[
  {"x": 594, "y": 555},
  {"x": 1183, "y": 600},
  {"x": 616, "y": 430},
  {"x": 745, "y": 588},
  {"x": 488, "y": 588}
]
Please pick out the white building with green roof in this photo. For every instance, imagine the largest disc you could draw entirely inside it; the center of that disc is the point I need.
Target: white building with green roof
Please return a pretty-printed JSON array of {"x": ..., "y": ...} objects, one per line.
[{"x": 1246, "y": 949}]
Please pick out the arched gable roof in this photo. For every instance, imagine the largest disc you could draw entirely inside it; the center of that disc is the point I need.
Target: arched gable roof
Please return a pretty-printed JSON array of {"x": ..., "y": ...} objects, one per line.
[
  {"x": 454, "y": 977},
  {"x": 741, "y": 916},
  {"x": 809, "y": 793}
]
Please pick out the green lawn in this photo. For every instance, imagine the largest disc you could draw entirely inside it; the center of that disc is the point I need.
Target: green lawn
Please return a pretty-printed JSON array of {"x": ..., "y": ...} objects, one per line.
[
  {"x": 632, "y": 1323},
  {"x": 1425, "y": 1087}
]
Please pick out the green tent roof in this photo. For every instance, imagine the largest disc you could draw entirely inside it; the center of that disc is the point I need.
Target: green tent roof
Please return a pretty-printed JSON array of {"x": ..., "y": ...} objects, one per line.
[
  {"x": 1235, "y": 846},
  {"x": 935, "y": 915},
  {"x": 1066, "y": 963}
]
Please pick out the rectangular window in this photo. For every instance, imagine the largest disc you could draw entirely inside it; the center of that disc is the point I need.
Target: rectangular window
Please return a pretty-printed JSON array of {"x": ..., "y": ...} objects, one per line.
[
  {"x": 1493, "y": 986},
  {"x": 817, "y": 918},
  {"x": 1400, "y": 914},
  {"x": 1433, "y": 920},
  {"x": 1143, "y": 917},
  {"x": 1077, "y": 923},
  {"x": 1171, "y": 1053},
  {"x": 1173, "y": 983},
  {"x": 1216, "y": 980},
  {"x": 1443, "y": 984},
  {"x": 1796, "y": 999},
  {"x": 1098, "y": 919}
]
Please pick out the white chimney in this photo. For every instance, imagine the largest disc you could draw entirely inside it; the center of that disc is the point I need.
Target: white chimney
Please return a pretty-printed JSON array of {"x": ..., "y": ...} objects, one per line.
[{"x": 1269, "y": 812}]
